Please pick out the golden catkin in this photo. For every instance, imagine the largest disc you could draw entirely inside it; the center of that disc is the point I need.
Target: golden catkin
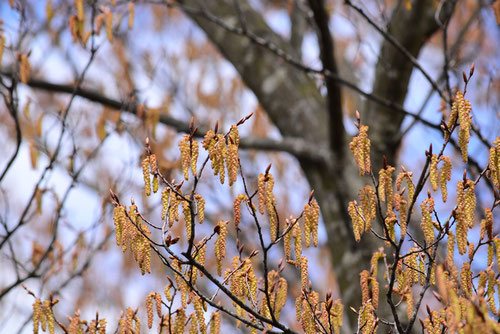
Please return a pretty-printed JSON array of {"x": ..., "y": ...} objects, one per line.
[
  {"x": 297, "y": 236},
  {"x": 200, "y": 315},
  {"x": 490, "y": 290},
  {"x": 281, "y": 296},
  {"x": 189, "y": 155},
  {"x": 200, "y": 205},
  {"x": 220, "y": 245},
  {"x": 367, "y": 322},
  {"x": 411, "y": 262},
  {"x": 193, "y": 324},
  {"x": 368, "y": 205},
  {"x": 445, "y": 176},
  {"x": 165, "y": 195},
  {"x": 406, "y": 176},
  {"x": 337, "y": 315},
  {"x": 464, "y": 213},
  {"x": 433, "y": 172},
  {"x": 149, "y": 308},
  {"x": 298, "y": 308},
  {"x": 364, "y": 277},
  {"x": 374, "y": 262},
  {"x": 37, "y": 315},
  {"x": 232, "y": 154},
  {"x": 304, "y": 275},
  {"x": 186, "y": 210},
  {"x": 48, "y": 315},
  {"x": 494, "y": 163},
  {"x": 194, "y": 155},
  {"x": 307, "y": 318},
  {"x": 390, "y": 223},
  {"x": 487, "y": 225},
  {"x": 261, "y": 192},
  {"x": 184, "y": 148},
  {"x": 311, "y": 222},
  {"x": 450, "y": 253},
  {"x": 427, "y": 208},
  {"x": 452, "y": 119},
  {"x": 287, "y": 241},
  {"x": 215, "y": 145},
  {"x": 145, "y": 174},
  {"x": 250, "y": 279},
  {"x": 215, "y": 323},
  {"x": 157, "y": 298},
  {"x": 119, "y": 219},
  {"x": 401, "y": 206},
  {"x": 357, "y": 221},
  {"x": 270, "y": 206},
  {"x": 267, "y": 202},
  {"x": 360, "y": 147},
  {"x": 465, "y": 120},
  {"x": 385, "y": 188},
  {"x": 466, "y": 279},
  {"x": 410, "y": 303},
  {"x": 496, "y": 241},
  {"x": 237, "y": 208},
  {"x": 180, "y": 321},
  {"x": 173, "y": 209},
  {"x": 200, "y": 256}
]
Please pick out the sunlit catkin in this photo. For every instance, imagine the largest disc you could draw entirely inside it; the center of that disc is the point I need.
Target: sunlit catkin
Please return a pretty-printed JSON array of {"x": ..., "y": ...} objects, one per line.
[
  {"x": 445, "y": 176},
  {"x": 37, "y": 315},
  {"x": 200, "y": 314},
  {"x": 186, "y": 210},
  {"x": 237, "y": 208},
  {"x": 494, "y": 163},
  {"x": 119, "y": 219},
  {"x": 433, "y": 172},
  {"x": 200, "y": 205},
  {"x": 365, "y": 290},
  {"x": 184, "y": 148},
  {"x": 149, "y": 308},
  {"x": 232, "y": 154},
  {"x": 385, "y": 188},
  {"x": 145, "y": 174},
  {"x": 465, "y": 120},
  {"x": 410, "y": 187},
  {"x": 311, "y": 222},
  {"x": 220, "y": 245},
  {"x": 357, "y": 221},
  {"x": 360, "y": 147},
  {"x": 297, "y": 236},
  {"x": 464, "y": 212},
  {"x": 180, "y": 321},
  {"x": 368, "y": 205},
  {"x": 215, "y": 323},
  {"x": 466, "y": 279},
  {"x": 427, "y": 208},
  {"x": 304, "y": 275}
]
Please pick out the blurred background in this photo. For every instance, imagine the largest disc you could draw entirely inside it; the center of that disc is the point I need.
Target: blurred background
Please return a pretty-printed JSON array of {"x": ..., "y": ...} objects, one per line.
[{"x": 104, "y": 75}]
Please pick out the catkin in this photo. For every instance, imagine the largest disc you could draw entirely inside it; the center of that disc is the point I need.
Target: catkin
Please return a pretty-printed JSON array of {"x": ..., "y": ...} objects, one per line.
[{"x": 360, "y": 147}]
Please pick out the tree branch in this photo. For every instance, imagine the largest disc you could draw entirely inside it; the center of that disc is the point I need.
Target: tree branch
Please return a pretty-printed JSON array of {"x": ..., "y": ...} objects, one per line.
[
  {"x": 327, "y": 54},
  {"x": 295, "y": 146}
]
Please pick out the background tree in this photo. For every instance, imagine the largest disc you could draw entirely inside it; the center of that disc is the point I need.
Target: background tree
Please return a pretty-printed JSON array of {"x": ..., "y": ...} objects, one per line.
[{"x": 148, "y": 61}]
